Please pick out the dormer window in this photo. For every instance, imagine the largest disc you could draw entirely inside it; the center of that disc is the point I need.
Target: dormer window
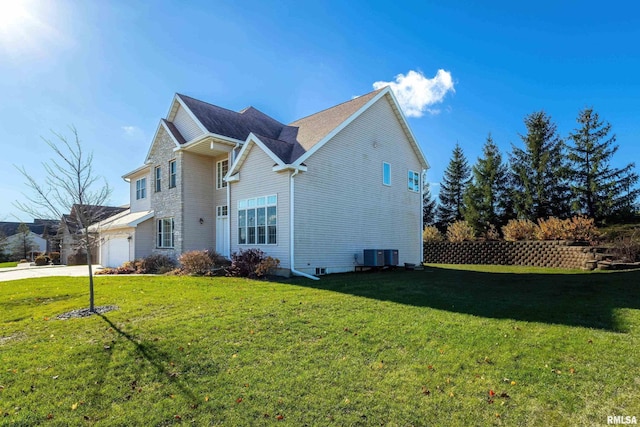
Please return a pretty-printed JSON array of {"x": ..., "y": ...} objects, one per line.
[{"x": 141, "y": 188}]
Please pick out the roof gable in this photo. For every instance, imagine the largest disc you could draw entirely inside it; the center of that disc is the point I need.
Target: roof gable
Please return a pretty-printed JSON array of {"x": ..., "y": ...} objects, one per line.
[
  {"x": 312, "y": 129},
  {"x": 346, "y": 113}
]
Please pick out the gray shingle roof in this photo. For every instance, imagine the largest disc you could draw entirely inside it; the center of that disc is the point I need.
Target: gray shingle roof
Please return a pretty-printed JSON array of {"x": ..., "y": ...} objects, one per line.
[
  {"x": 288, "y": 142},
  {"x": 98, "y": 213},
  {"x": 231, "y": 124},
  {"x": 174, "y": 130}
]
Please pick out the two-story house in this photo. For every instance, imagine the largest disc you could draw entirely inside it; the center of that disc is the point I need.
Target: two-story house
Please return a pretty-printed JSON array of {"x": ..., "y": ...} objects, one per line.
[{"x": 314, "y": 193}]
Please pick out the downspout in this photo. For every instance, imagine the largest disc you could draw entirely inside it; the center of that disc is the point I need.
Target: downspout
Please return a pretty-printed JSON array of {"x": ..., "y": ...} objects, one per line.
[
  {"x": 423, "y": 178},
  {"x": 291, "y": 230},
  {"x": 230, "y": 159}
]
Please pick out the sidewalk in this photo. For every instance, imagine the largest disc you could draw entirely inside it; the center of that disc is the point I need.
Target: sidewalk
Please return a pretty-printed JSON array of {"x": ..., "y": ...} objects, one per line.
[{"x": 27, "y": 271}]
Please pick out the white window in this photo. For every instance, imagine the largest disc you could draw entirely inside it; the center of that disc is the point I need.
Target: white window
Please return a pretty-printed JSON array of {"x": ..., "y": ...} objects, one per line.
[
  {"x": 141, "y": 188},
  {"x": 386, "y": 173},
  {"x": 165, "y": 237},
  {"x": 158, "y": 175},
  {"x": 172, "y": 174},
  {"x": 222, "y": 211},
  {"x": 413, "y": 181},
  {"x": 258, "y": 221},
  {"x": 222, "y": 167}
]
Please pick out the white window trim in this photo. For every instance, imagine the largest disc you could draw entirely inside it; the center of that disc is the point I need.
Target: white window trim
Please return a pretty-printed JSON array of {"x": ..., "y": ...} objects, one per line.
[
  {"x": 174, "y": 175},
  {"x": 157, "y": 179},
  {"x": 160, "y": 232},
  {"x": 220, "y": 182},
  {"x": 141, "y": 190},
  {"x": 415, "y": 176},
  {"x": 383, "y": 180},
  {"x": 254, "y": 203}
]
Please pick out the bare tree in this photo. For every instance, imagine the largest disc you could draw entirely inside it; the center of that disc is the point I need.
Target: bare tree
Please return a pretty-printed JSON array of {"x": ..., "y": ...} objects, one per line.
[{"x": 72, "y": 186}]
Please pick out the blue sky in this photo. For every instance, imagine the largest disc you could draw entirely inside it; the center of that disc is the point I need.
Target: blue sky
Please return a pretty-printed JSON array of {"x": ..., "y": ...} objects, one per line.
[{"x": 111, "y": 68}]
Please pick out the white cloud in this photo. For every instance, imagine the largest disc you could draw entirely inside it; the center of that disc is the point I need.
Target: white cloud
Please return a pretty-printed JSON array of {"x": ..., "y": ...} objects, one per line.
[
  {"x": 416, "y": 93},
  {"x": 130, "y": 130}
]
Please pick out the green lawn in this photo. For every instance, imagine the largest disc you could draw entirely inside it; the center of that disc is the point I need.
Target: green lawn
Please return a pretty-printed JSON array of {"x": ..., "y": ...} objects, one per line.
[
  {"x": 8, "y": 264},
  {"x": 393, "y": 348}
]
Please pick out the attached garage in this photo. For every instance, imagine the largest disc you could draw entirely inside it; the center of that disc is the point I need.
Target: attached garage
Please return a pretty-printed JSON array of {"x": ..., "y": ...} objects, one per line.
[
  {"x": 124, "y": 237},
  {"x": 114, "y": 251}
]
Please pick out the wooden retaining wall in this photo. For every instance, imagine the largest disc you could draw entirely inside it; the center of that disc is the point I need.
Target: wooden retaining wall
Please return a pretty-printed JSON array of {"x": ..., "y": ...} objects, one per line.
[{"x": 559, "y": 254}]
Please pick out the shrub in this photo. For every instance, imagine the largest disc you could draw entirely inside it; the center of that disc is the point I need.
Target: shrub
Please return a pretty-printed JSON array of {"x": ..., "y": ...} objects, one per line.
[
  {"x": 251, "y": 263},
  {"x": 581, "y": 228},
  {"x": 55, "y": 257},
  {"x": 196, "y": 262},
  {"x": 41, "y": 260},
  {"x": 460, "y": 231},
  {"x": 491, "y": 233},
  {"x": 432, "y": 234},
  {"x": 551, "y": 229},
  {"x": 155, "y": 264},
  {"x": 267, "y": 266},
  {"x": 519, "y": 229},
  {"x": 627, "y": 247},
  {"x": 79, "y": 258}
]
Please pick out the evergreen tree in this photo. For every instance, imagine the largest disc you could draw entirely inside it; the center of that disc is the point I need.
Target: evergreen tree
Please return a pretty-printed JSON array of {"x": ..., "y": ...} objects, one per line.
[
  {"x": 538, "y": 171},
  {"x": 428, "y": 206},
  {"x": 452, "y": 189},
  {"x": 599, "y": 190},
  {"x": 487, "y": 195}
]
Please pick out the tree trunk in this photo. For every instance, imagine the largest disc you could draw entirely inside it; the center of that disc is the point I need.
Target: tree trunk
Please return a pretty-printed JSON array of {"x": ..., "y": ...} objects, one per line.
[{"x": 89, "y": 262}]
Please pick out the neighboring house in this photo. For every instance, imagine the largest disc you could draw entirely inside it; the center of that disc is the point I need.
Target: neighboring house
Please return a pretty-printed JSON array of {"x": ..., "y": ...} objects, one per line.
[
  {"x": 314, "y": 193},
  {"x": 42, "y": 234},
  {"x": 70, "y": 228}
]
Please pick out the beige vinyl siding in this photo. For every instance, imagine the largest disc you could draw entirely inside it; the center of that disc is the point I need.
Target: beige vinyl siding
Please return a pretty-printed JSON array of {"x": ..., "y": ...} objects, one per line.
[
  {"x": 257, "y": 179},
  {"x": 144, "y": 239},
  {"x": 341, "y": 204},
  {"x": 187, "y": 127},
  {"x": 198, "y": 188},
  {"x": 140, "y": 204}
]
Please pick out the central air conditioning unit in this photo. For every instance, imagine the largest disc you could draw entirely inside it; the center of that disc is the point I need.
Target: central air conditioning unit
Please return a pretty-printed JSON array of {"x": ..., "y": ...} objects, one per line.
[
  {"x": 391, "y": 257},
  {"x": 374, "y": 258}
]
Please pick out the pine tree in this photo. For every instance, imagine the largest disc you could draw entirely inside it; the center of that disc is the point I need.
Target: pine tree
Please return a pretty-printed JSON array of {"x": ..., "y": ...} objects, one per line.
[
  {"x": 487, "y": 195},
  {"x": 452, "y": 189},
  {"x": 538, "y": 171},
  {"x": 428, "y": 206},
  {"x": 599, "y": 190}
]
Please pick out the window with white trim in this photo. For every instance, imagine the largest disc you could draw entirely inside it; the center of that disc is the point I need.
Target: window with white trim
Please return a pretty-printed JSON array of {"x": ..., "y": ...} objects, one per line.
[
  {"x": 165, "y": 238},
  {"x": 222, "y": 167},
  {"x": 222, "y": 211},
  {"x": 158, "y": 176},
  {"x": 141, "y": 188},
  {"x": 413, "y": 181},
  {"x": 386, "y": 173},
  {"x": 172, "y": 174},
  {"x": 258, "y": 221}
]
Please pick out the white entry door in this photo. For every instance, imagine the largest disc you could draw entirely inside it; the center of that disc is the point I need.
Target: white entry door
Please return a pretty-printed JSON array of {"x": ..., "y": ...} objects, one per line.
[{"x": 222, "y": 230}]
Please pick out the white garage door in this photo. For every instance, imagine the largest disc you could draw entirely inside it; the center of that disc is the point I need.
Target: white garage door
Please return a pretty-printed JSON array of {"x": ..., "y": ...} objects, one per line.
[{"x": 114, "y": 252}]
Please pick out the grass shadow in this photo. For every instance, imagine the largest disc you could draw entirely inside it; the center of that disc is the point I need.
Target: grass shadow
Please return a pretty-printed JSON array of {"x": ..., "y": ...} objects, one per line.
[
  {"x": 155, "y": 357},
  {"x": 586, "y": 300}
]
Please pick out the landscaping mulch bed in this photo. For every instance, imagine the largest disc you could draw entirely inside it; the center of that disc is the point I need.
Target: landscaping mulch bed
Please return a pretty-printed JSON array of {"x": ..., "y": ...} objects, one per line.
[{"x": 84, "y": 312}]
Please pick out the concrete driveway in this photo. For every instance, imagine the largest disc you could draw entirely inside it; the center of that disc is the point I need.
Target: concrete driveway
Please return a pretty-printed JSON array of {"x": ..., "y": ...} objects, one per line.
[{"x": 26, "y": 271}]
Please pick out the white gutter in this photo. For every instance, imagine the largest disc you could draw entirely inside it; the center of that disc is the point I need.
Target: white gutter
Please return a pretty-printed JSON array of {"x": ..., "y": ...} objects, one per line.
[{"x": 291, "y": 231}]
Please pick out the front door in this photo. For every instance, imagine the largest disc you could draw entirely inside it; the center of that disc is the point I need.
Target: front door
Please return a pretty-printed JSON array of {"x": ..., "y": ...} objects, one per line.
[{"x": 222, "y": 230}]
